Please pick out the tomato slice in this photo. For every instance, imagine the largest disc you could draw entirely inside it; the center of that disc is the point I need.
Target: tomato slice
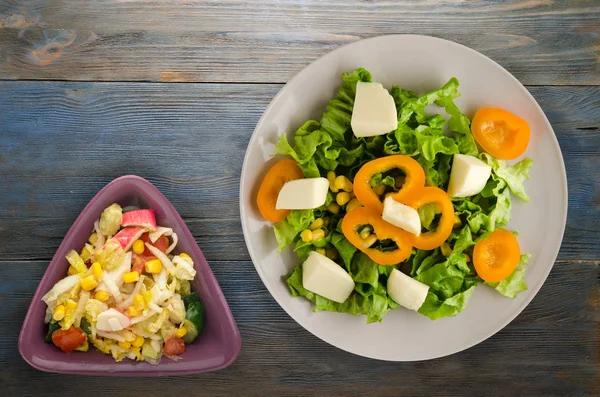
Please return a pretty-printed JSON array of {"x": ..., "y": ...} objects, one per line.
[
  {"x": 174, "y": 346},
  {"x": 69, "y": 339},
  {"x": 162, "y": 244},
  {"x": 138, "y": 264}
]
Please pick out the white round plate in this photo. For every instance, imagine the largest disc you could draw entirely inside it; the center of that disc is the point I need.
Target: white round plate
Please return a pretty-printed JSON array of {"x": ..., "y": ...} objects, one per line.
[{"x": 418, "y": 63}]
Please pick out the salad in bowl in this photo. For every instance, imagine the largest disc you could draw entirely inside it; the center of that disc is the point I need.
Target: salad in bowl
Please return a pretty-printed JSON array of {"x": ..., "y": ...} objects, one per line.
[
  {"x": 397, "y": 199},
  {"x": 127, "y": 293}
]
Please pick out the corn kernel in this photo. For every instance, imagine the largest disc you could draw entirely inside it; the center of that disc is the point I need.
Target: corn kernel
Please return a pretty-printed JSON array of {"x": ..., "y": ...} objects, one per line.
[
  {"x": 379, "y": 190},
  {"x": 184, "y": 255},
  {"x": 93, "y": 238},
  {"x": 131, "y": 277},
  {"x": 89, "y": 283},
  {"x": 364, "y": 233},
  {"x": 333, "y": 207},
  {"x": 72, "y": 271},
  {"x": 318, "y": 234},
  {"x": 457, "y": 221},
  {"x": 331, "y": 179},
  {"x": 59, "y": 313},
  {"x": 125, "y": 345},
  {"x": 180, "y": 333},
  {"x": 353, "y": 204},
  {"x": 153, "y": 266},
  {"x": 138, "y": 247},
  {"x": 399, "y": 181},
  {"x": 97, "y": 271},
  {"x": 306, "y": 235},
  {"x": 468, "y": 257},
  {"x": 138, "y": 341},
  {"x": 317, "y": 223},
  {"x": 369, "y": 241},
  {"x": 147, "y": 296},
  {"x": 342, "y": 198},
  {"x": 102, "y": 296},
  {"x": 446, "y": 249},
  {"x": 321, "y": 251},
  {"x": 343, "y": 183},
  {"x": 71, "y": 305},
  {"x": 326, "y": 221},
  {"x": 133, "y": 312},
  {"x": 139, "y": 302},
  {"x": 332, "y": 253}
]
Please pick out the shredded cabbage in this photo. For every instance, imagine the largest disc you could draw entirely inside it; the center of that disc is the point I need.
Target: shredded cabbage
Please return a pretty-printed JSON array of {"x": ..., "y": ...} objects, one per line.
[
  {"x": 111, "y": 219},
  {"x": 110, "y": 256},
  {"x": 164, "y": 259},
  {"x": 184, "y": 268},
  {"x": 61, "y": 287}
]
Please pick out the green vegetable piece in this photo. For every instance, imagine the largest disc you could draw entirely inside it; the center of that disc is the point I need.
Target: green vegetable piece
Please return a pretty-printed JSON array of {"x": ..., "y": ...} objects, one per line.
[
  {"x": 194, "y": 313},
  {"x": 148, "y": 351},
  {"x": 192, "y": 332},
  {"x": 85, "y": 326},
  {"x": 52, "y": 326},
  {"x": 111, "y": 219}
]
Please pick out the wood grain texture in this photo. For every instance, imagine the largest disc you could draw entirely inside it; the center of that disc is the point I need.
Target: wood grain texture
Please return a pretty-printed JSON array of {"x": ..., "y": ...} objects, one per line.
[
  {"x": 552, "y": 348},
  {"x": 173, "y": 134},
  {"x": 540, "y": 42}
]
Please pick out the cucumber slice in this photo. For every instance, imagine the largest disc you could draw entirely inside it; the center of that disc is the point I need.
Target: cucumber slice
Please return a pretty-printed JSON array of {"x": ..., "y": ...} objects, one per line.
[{"x": 192, "y": 332}]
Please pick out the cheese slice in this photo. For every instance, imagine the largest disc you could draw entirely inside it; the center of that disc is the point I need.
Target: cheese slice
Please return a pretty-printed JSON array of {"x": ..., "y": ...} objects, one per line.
[
  {"x": 402, "y": 216},
  {"x": 374, "y": 111},
  {"x": 324, "y": 277},
  {"x": 406, "y": 291},
  {"x": 468, "y": 177},
  {"x": 303, "y": 194}
]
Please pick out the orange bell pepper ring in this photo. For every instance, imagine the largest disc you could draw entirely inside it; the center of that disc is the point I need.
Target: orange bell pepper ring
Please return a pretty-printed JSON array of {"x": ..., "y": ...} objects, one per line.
[
  {"x": 415, "y": 179},
  {"x": 359, "y": 217},
  {"x": 496, "y": 256},
  {"x": 500, "y": 133},
  {"x": 432, "y": 195}
]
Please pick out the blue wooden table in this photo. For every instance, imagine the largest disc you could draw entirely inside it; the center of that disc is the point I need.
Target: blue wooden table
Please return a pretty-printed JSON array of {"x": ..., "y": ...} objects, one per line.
[{"x": 171, "y": 90}]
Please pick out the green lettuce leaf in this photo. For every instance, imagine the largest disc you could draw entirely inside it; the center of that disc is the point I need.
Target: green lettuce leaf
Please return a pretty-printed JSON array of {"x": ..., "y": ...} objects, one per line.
[
  {"x": 514, "y": 175},
  {"x": 287, "y": 230},
  {"x": 344, "y": 248},
  {"x": 435, "y": 308}
]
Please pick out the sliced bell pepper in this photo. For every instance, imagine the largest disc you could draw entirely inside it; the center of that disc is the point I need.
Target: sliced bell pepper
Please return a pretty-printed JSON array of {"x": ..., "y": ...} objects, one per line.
[
  {"x": 415, "y": 179},
  {"x": 359, "y": 217},
  {"x": 432, "y": 195}
]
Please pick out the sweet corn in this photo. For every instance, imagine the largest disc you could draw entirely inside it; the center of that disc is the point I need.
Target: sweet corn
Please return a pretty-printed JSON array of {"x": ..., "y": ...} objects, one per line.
[
  {"x": 131, "y": 277},
  {"x": 153, "y": 266},
  {"x": 326, "y": 221},
  {"x": 457, "y": 221},
  {"x": 321, "y": 251},
  {"x": 333, "y": 207},
  {"x": 138, "y": 341},
  {"x": 93, "y": 238},
  {"x": 364, "y": 233},
  {"x": 342, "y": 198},
  {"x": 89, "y": 283},
  {"x": 399, "y": 181},
  {"x": 317, "y": 223},
  {"x": 318, "y": 234},
  {"x": 59, "y": 313},
  {"x": 125, "y": 345},
  {"x": 343, "y": 183},
  {"x": 97, "y": 271},
  {"x": 180, "y": 333},
  {"x": 147, "y": 296},
  {"x": 102, "y": 296},
  {"x": 184, "y": 255},
  {"x": 353, "y": 204},
  {"x": 306, "y": 235},
  {"x": 332, "y": 253},
  {"x": 133, "y": 312},
  {"x": 139, "y": 302},
  {"x": 331, "y": 178},
  {"x": 138, "y": 247},
  {"x": 72, "y": 271},
  {"x": 446, "y": 249},
  {"x": 379, "y": 190},
  {"x": 369, "y": 241},
  {"x": 71, "y": 305}
]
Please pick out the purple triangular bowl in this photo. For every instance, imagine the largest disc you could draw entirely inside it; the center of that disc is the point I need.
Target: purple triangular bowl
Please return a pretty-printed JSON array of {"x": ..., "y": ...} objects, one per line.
[{"x": 217, "y": 346}]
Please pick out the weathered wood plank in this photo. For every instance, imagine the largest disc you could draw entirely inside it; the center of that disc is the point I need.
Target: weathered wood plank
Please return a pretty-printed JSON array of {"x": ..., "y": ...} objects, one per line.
[
  {"x": 552, "y": 348},
  {"x": 540, "y": 42},
  {"x": 62, "y": 142}
]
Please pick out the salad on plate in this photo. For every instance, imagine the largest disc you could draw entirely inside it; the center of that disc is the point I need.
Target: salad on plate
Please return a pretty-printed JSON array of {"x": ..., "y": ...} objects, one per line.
[
  {"x": 394, "y": 199},
  {"x": 126, "y": 292}
]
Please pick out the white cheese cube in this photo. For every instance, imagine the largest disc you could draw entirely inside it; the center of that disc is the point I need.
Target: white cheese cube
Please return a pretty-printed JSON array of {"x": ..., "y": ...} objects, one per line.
[
  {"x": 324, "y": 277},
  {"x": 402, "y": 216},
  {"x": 468, "y": 176},
  {"x": 406, "y": 291},
  {"x": 303, "y": 194},
  {"x": 374, "y": 111}
]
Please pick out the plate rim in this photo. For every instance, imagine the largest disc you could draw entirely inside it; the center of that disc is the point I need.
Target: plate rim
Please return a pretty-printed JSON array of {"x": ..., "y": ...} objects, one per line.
[{"x": 563, "y": 174}]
